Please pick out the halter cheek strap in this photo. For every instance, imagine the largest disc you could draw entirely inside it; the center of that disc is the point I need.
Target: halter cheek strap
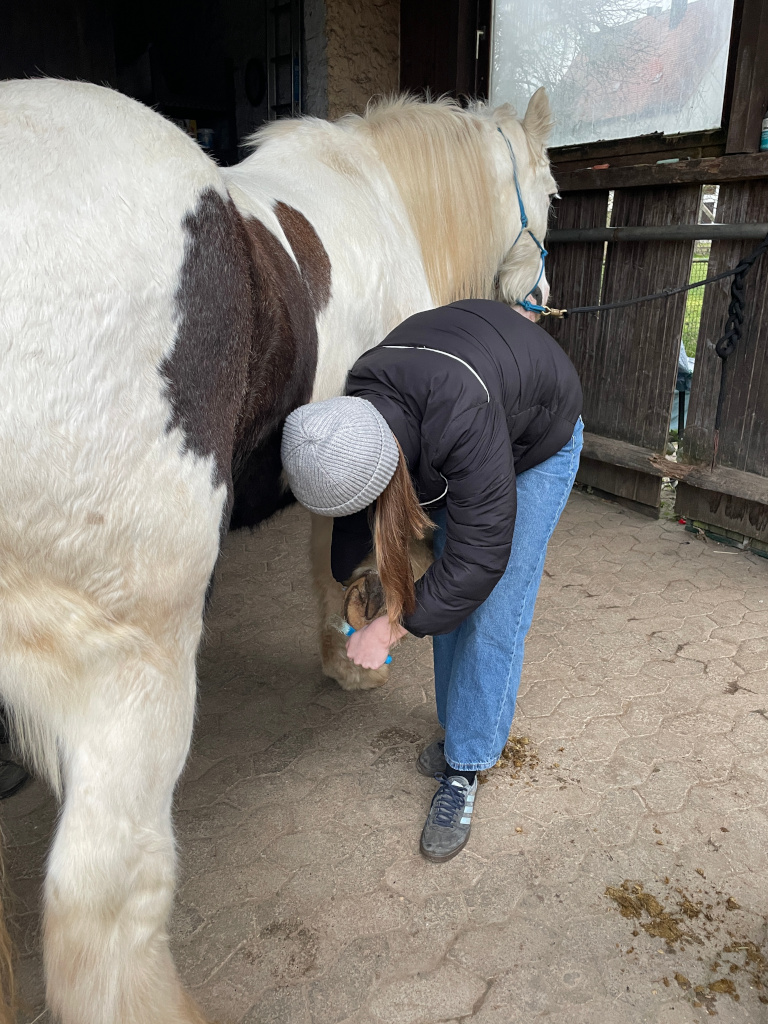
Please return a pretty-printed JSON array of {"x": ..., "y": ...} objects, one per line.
[{"x": 529, "y": 307}]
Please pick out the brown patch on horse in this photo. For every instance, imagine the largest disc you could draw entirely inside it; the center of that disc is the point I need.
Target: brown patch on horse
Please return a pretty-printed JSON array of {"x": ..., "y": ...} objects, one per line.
[
  {"x": 309, "y": 252},
  {"x": 206, "y": 373},
  {"x": 246, "y": 347}
]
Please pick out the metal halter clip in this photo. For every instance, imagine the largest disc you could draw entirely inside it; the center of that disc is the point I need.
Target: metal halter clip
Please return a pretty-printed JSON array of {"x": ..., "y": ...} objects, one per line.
[{"x": 561, "y": 314}]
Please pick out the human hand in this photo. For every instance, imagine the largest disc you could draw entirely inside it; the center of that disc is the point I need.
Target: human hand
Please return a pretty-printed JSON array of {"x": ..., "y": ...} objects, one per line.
[{"x": 369, "y": 646}]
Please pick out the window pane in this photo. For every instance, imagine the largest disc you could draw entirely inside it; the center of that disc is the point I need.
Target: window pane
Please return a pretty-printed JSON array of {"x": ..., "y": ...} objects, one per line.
[{"x": 614, "y": 69}]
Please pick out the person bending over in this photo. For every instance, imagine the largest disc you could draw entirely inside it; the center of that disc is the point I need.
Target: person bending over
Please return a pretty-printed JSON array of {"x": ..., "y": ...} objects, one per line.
[{"x": 466, "y": 417}]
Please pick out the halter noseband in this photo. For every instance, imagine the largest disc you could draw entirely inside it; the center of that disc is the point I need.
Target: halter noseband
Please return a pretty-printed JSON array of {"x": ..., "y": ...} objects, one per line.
[{"x": 529, "y": 307}]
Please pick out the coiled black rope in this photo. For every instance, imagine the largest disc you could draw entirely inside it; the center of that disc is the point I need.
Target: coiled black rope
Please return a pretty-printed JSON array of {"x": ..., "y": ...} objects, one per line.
[
  {"x": 733, "y": 326},
  {"x": 731, "y": 336}
]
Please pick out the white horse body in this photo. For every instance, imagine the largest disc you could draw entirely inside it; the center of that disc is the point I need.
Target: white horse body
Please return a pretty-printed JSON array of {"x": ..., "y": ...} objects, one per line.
[
  {"x": 337, "y": 182},
  {"x": 116, "y": 474}
]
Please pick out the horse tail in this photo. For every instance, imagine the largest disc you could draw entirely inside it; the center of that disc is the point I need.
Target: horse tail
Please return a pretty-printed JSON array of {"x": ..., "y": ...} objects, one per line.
[{"x": 7, "y": 982}]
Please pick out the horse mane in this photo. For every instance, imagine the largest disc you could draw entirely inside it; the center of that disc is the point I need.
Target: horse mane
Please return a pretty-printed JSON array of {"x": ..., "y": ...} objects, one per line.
[
  {"x": 440, "y": 159},
  {"x": 438, "y": 156}
]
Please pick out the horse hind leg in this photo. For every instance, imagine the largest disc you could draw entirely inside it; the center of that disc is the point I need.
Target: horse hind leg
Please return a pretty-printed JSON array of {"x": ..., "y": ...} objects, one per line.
[{"x": 111, "y": 872}]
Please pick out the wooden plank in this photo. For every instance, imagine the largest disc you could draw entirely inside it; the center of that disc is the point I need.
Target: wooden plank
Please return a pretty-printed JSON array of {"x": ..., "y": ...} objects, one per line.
[
  {"x": 607, "y": 450},
  {"x": 715, "y": 169},
  {"x": 621, "y": 453},
  {"x": 743, "y": 440},
  {"x": 574, "y": 273},
  {"x": 749, "y": 97},
  {"x": 616, "y": 481},
  {"x": 748, "y": 518},
  {"x": 643, "y": 149},
  {"x": 737, "y": 483},
  {"x": 631, "y": 378}
]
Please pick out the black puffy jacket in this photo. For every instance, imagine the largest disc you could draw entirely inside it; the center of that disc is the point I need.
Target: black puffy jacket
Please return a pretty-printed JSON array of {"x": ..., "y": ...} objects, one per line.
[{"x": 474, "y": 393}]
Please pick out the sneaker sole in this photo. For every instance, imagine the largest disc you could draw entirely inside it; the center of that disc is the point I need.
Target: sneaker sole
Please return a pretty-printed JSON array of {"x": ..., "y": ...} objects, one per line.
[{"x": 437, "y": 859}]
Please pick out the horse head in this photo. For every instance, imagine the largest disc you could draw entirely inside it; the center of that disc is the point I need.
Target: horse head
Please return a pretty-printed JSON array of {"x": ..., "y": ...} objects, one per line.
[
  {"x": 469, "y": 178},
  {"x": 526, "y": 188}
]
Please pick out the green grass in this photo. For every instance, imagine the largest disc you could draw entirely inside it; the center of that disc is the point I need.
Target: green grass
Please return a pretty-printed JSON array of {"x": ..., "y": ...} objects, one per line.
[{"x": 693, "y": 305}]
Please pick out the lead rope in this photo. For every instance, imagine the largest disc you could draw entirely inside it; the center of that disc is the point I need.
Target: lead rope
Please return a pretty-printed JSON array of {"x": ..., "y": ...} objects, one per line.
[{"x": 733, "y": 325}]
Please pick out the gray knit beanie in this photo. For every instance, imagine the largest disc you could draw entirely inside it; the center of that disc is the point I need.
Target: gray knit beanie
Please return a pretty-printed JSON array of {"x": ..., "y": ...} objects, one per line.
[{"x": 338, "y": 455}]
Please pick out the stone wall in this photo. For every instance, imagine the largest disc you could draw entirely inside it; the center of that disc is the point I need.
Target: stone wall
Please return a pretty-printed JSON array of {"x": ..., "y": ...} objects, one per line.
[{"x": 362, "y": 52}]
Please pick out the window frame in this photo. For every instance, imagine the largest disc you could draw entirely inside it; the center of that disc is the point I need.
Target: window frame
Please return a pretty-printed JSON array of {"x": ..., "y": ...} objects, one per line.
[{"x": 744, "y": 102}]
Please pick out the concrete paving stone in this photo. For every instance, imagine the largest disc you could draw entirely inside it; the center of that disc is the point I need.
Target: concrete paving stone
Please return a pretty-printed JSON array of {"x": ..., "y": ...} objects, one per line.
[
  {"x": 209, "y": 822},
  {"x": 713, "y": 757},
  {"x": 208, "y": 788},
  {"x": 730, "y": 613},
  {"x": 640, "y": 719},
  {"x": 663, "y": 745},
  {"x": 256, "y": 795},
  {"x": 345, "y": 919},
  {"x": 412, "y": 876},
  {"x": 345, "y": 986},
  {"x": 447, "y": 992},
  {"x": 601, "y": 736},
  {"x": 299, "y": 849},
  {"x": 253, "y": 837},
  {"x": 754, "y": 598},
  {"x": 415, "y": 951},
  {"x": 752, "y": 655},
  {"x": 604, "y": 703},
  {"x": 705, "y": 720},
  {"x": 282, "y": 952},
  {"x": 617, "y": 821},
  {"x": 667, "y": 787},
  {"x": 542, "y": 699},
  {"x": 226, "y": 887},
  {"x": 750, "y": 733},
  {"x": 209, "y": 944},
  {"x": 287, "y": 1004},
  {"x": 495, "y": 896},
  {"x": 707, "y": 651}
]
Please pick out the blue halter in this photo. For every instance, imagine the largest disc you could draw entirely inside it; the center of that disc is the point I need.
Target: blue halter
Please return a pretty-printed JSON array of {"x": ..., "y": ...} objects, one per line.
[{"x": 529, "y": 307}]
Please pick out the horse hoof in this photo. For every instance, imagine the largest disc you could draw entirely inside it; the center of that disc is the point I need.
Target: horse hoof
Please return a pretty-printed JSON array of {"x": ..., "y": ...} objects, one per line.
[
  {"x": 336, "y": 665},
  {"x": 362, "y": 678}
]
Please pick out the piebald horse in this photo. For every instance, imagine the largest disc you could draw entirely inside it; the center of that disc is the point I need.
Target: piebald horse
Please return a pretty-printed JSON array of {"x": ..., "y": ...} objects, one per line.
[{"x": 159, "y": 318}]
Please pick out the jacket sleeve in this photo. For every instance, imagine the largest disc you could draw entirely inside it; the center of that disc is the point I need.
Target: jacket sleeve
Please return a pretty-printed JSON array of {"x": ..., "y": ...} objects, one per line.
[
  {"x": 478, "y": 466},
  {"x": 351, "y": 544}
]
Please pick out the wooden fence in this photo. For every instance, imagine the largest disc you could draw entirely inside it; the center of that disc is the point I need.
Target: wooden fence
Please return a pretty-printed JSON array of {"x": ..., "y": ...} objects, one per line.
[{"x": 627, "y": 358}]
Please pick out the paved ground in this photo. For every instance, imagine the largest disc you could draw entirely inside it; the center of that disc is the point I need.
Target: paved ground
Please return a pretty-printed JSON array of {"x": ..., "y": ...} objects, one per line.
[{"x": 618, "y": 866}]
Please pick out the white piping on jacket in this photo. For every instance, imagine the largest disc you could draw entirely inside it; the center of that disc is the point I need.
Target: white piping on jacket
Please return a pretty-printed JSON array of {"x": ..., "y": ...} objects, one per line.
[
  {"x": 424, "y": 348},
  {"x": 433, "y": 500}
]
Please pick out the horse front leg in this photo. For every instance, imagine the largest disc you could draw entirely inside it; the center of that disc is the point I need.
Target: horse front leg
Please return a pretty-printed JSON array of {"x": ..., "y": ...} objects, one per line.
[
  {"x": 111, "y": 873},
  {"x": 330, "y": 599}
]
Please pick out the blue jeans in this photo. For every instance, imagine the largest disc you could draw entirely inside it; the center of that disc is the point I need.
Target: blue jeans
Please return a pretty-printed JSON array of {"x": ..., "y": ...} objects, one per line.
[{"x": 478, "y": 665}]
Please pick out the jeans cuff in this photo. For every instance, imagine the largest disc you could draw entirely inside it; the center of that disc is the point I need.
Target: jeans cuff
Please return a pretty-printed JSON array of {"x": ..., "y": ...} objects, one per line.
[{"x": 476, "y": 766}]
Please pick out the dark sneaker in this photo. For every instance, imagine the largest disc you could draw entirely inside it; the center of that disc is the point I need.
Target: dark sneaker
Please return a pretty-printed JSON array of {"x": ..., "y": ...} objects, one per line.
[
  {"x": 432, "y": 759},
  {"x": 446, "y": 830}
]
